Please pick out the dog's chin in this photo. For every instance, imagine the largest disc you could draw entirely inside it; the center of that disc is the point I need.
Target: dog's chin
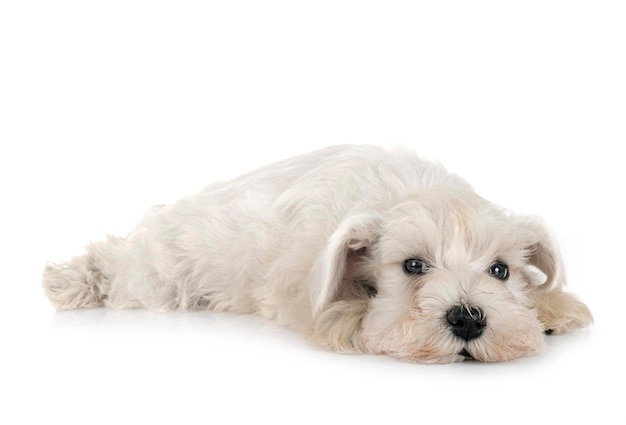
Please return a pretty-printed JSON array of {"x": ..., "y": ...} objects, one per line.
[
  {"x": 430, "y": 356},
  {"x": 443, "y": 359},
  {"x": 472, "y": 351}
]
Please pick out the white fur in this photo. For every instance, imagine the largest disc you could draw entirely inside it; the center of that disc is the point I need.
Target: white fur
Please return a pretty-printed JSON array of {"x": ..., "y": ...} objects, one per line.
[{"x": 303, "y": 240}]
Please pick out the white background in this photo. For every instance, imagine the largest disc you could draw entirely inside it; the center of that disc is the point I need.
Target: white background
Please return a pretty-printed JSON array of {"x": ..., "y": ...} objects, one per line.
[{"x": 108, "y": 107}]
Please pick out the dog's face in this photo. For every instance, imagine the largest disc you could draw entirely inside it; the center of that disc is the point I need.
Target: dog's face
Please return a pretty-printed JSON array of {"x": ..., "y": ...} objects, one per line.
[{"x": 447, "y": 276}]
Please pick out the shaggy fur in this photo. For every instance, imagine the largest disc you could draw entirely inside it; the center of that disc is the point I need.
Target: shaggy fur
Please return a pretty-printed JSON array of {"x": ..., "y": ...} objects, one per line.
[{"x": 319, "y": 243}]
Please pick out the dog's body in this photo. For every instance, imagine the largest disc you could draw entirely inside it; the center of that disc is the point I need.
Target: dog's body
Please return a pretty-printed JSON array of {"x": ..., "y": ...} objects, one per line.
[{"x": 359, "y": 248}]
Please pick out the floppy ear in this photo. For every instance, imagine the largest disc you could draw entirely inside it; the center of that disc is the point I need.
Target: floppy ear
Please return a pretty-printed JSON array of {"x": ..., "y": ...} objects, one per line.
[
  {"x": 347, "y": 246},
  {"x": 557, "y": 310},
  {"x": 544, "y": 254}
]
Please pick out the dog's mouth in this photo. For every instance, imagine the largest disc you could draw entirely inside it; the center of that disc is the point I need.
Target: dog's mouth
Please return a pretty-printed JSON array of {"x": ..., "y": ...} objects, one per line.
[{"x": 466, "y": 354}]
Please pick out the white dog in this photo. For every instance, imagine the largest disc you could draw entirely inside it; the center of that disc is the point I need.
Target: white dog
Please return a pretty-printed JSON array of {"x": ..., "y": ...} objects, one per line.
[{"x": 358, "y": 248}]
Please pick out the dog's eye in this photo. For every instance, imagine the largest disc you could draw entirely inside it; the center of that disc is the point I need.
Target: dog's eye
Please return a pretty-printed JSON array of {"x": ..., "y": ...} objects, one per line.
[
  {"x": 499, "y": 270},
  {"x": 415, "y": 266}
]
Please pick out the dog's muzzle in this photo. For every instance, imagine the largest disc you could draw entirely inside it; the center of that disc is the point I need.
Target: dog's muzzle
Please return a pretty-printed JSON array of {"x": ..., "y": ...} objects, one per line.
[{"x": 466, "y": 322}]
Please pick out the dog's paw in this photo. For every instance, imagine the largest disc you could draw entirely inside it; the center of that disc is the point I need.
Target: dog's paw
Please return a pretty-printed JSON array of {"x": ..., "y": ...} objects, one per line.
[{"x": 562, "y": 312}]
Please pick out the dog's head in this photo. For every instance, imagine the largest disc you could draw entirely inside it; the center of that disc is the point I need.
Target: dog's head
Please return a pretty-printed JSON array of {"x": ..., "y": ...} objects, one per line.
[{"x": 442, "y": 276}]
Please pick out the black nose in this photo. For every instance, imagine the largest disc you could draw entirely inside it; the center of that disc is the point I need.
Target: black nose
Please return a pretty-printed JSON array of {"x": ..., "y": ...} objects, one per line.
[{"x": 466, "y": 322}]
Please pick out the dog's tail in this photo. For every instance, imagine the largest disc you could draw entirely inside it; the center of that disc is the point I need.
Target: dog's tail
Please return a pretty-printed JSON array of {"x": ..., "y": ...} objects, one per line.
[{"x": 84, "y": 281}]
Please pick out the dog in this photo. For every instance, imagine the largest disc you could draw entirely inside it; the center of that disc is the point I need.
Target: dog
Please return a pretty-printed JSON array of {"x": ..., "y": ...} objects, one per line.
[{"x": 358, "y": 248}]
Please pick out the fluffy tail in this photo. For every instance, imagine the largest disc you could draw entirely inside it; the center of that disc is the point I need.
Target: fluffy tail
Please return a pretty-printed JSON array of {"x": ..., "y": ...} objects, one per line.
[{"x": 84, "y": 281}]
